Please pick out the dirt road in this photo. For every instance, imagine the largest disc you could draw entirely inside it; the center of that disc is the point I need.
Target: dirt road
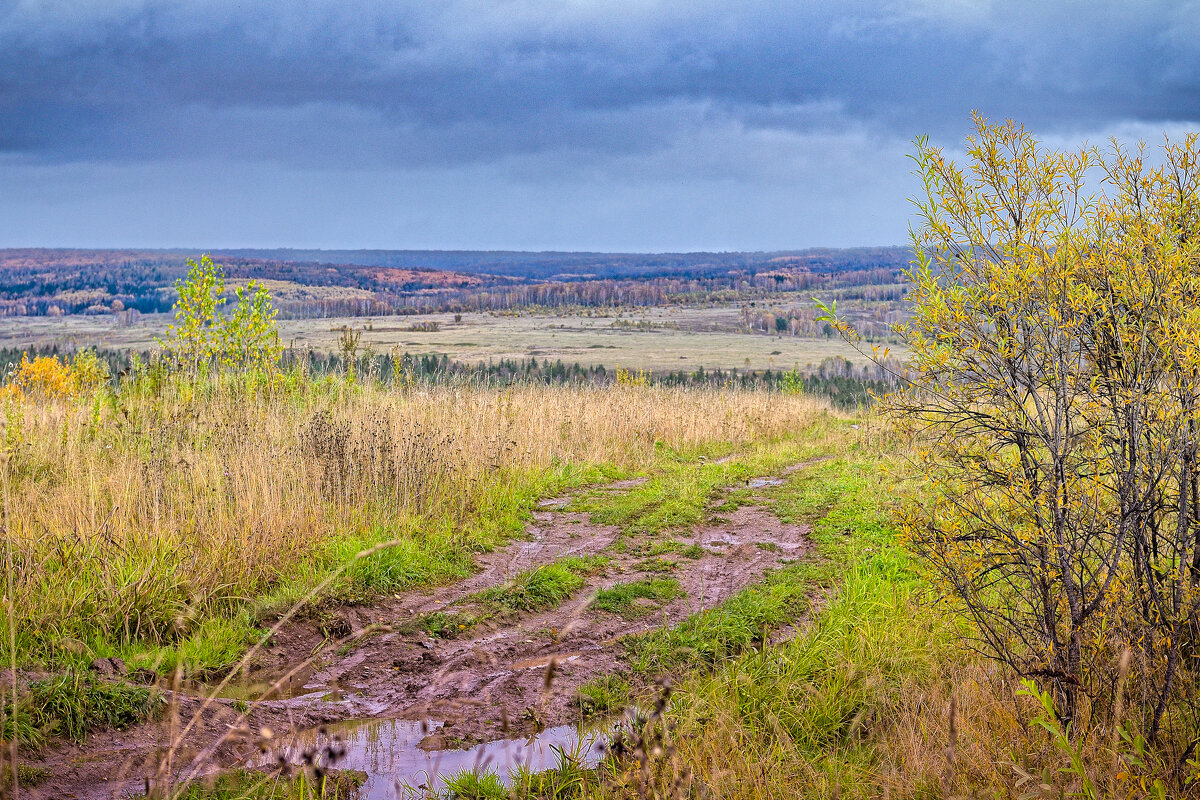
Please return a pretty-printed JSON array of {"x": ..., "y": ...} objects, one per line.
[{"x": 465, "y": 669}]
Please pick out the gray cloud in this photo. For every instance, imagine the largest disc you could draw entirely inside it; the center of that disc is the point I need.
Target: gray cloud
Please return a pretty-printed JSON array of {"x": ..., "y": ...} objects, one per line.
[
  {"x": 512, "y": 96},
  {"x": 420, "y": 82}
]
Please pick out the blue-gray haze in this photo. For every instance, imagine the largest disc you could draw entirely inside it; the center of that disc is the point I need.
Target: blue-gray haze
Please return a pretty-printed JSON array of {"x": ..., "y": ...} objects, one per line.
[{"x": 542, "y": 124}]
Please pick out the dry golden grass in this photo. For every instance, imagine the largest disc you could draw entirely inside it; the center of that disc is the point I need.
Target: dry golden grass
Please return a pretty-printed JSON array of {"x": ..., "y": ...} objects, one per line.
[{"x": 133, "y": 516}]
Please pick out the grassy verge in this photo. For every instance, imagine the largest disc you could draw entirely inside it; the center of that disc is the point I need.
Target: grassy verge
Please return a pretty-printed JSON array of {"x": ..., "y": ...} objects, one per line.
[
  {"x": 71, "y": 704},
  {"x": 165, "y": 523},
  {"x": 807, "y": 718},
  {"x": 607, "y": 694}
]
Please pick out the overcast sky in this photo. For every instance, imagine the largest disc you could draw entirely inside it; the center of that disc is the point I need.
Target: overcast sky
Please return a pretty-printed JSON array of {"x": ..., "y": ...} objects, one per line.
[{"x": 542, "y": 124}]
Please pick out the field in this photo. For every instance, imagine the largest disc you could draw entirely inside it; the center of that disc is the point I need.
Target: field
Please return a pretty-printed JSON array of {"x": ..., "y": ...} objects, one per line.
[
  {"x": 222, "y": 570},
  {"x": 233, "y": 573},
  {"x": 669, "y": 338}
]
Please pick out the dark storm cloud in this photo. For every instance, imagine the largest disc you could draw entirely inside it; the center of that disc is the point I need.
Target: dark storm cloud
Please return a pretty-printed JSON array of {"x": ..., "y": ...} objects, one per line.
[
  {"x": 351, "y": 83},
  {"x": 531, "y": 124}
]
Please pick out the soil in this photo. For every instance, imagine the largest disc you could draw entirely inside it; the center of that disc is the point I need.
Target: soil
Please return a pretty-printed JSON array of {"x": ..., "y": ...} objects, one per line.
[{"x": 510, "y": 676}]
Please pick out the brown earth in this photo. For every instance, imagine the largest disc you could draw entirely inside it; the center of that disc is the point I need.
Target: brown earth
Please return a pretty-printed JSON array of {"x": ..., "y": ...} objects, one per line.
[{"x": 487, "y": 682}]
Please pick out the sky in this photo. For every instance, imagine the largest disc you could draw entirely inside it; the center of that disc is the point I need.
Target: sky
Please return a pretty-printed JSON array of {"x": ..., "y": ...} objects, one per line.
[{"x": 611, "y": 125}]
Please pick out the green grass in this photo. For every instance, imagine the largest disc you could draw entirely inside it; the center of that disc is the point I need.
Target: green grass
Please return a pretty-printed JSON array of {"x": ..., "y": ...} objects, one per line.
[
  {"x": 543, "y": 587},
  {"x": 214, "y": 646},
  {"x": 605, "y": 695},
  {"x": 681, "y": 490},
  {"x": 28, "y": 776},
  {"x": 240, "y": 784},
  {"x": 622, "y": 599},
  {"x": 805, "y": 713},
  {"x": 708, "y": 637},
  {"x": 446, "y": 625},
  {"x": 470, "y": 785},
  {"x": 802, "y": 719},
  {"x": 567, "y": 779},
  {"x": 73, "y": 704},
  {"x": 658, "y": 564},
  {"x": 653, "y": 548}
]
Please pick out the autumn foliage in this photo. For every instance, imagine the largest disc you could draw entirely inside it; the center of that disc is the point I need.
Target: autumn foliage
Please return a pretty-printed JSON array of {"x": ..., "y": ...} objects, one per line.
[
  {"x": 204, "y": 338},
  {"x": 1054, "y": 400},
  {"x": 48, "y": 377},
  {"x": 1055, "y": 359}
]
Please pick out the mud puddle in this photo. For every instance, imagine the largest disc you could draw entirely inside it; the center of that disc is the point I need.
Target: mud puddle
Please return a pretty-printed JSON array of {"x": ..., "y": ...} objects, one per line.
[
  {"x": 758, "y": 483},
  {"x": 395, "y": 754},
  {"x": 509, "y": 675}
]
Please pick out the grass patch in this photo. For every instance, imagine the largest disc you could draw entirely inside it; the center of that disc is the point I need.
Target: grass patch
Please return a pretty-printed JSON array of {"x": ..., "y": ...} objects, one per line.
[
  {"x": 602, "y": 696},
  {"x": 240, "y": 784},
  {"x": 446, "y": 625},
  {"x": 657, "y": 565},
  {"x": 564, "y": 780},
  {"x": 659, "y": 547},
  {"x": 471, "y": 785},
  {"x": 741, "y": 622},
  {"x": 679, "y": 493},
  {"x": 211, "y": 649},
  {"x": 544, "y": 587},
  {"x": 72, "y": 705},
  {"x": 28, "y": 776},
  {"x": 622, "y": 599}
]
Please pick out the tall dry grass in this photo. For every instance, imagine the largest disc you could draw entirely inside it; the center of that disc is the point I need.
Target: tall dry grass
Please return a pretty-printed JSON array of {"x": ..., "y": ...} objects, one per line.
[{"x": 135, "y": 515}]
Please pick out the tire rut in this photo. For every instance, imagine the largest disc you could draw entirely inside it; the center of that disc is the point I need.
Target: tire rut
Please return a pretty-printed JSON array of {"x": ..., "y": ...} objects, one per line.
[{"x": 490, "y": 682}]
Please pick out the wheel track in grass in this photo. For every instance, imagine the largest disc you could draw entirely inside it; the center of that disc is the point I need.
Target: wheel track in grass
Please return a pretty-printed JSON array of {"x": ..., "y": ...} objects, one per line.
[{"x": 485, "y": 681}]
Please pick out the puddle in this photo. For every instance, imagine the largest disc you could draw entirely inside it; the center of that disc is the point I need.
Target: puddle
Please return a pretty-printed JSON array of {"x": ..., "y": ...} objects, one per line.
[
  {"x": 758, "y": 483},
  {"x": 389, "y": 752},
  {"x": 554, "y": 502}
]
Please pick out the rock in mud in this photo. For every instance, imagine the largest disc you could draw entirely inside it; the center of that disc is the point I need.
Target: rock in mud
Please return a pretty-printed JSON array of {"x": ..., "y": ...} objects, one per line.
[{"x": 108, "y": 667}]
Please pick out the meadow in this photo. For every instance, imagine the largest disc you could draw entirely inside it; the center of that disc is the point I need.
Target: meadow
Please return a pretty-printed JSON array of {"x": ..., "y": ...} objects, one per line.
[
  {"x": 139, "y": 519},
  {"x": 658, "y": 339},
  {"x": 178, "y": 525}
]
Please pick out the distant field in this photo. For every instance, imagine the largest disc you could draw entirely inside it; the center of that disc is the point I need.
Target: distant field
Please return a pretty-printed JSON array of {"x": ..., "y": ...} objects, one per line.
[{"x": 680, "y": 338}]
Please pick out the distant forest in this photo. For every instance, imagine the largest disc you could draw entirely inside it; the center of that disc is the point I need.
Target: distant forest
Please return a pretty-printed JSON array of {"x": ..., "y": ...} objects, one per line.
[
  {"x": 845, "y": 385},
  {"x": 304, "y": 283}
]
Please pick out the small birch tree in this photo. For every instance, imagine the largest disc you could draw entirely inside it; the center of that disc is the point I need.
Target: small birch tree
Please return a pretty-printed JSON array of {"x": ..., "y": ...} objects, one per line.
[{"x": 202, "y": 336}]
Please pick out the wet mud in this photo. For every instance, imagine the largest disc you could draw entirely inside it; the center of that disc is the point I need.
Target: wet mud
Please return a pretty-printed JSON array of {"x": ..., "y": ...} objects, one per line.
[{"x": 512, "y": 678}]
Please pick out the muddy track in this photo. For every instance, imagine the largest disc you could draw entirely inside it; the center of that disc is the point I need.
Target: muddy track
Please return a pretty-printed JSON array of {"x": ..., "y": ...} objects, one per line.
[{"x": 487, "y": 682}]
